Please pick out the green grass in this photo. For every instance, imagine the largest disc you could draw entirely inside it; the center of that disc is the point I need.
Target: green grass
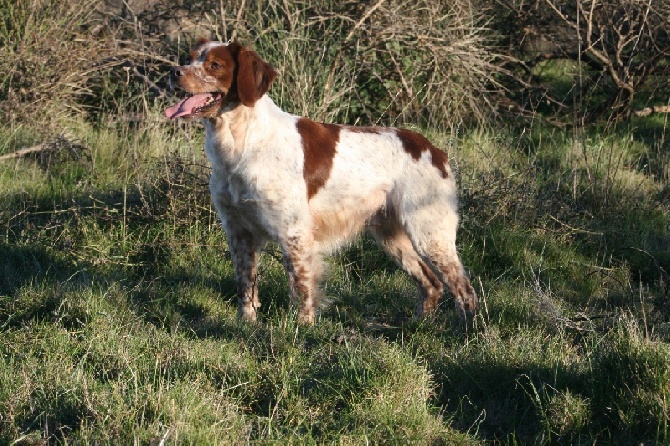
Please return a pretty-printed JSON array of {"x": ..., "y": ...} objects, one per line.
[{"x": 118, "y": 318}]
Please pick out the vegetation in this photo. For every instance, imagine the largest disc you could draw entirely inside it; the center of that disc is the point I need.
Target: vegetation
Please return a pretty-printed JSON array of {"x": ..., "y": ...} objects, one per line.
[{"x": 117, "y": 309}]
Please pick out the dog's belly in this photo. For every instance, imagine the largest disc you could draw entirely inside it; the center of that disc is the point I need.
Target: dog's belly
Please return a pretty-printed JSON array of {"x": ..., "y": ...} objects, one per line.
[{"x": 338, "y": 218}]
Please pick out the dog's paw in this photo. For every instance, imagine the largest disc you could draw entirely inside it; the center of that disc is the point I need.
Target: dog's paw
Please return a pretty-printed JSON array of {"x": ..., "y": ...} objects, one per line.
[
  {"x": 247, "y": 313},
  {"x": 306, "y": 317},
  {"x": 467, "y": 304}
]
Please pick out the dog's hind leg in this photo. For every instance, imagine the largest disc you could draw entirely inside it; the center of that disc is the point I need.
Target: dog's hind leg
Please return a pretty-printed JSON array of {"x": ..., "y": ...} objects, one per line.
[
  {"x": 394, "y": 240},
  {"x": 437, "y": 245},
  {"x": 432, "y": 229},
  {"x": 447, "y": 262}
]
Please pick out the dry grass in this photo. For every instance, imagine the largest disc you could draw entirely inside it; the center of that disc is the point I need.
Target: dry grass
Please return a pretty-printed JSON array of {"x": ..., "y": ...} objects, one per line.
[
  {"x": 49, "y": 58},
  {"x": 388, "y": 62}
]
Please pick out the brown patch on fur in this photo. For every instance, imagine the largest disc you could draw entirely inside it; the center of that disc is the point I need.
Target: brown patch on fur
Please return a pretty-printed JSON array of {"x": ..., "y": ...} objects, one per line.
[
  {"x": 219, "y": 63},
  {"x": 415, "y": 144},
  {"x": 318, "y": 143},
  {"x": 237, "y": 72}
]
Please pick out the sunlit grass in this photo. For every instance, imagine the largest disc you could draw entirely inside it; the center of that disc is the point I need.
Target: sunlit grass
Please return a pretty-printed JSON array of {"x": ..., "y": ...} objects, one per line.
[{"x": 118, "y": 318}]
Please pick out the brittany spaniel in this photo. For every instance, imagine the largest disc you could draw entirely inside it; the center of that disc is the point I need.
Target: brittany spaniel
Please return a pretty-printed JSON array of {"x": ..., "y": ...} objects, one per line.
[{"x": 310, "y": 187}]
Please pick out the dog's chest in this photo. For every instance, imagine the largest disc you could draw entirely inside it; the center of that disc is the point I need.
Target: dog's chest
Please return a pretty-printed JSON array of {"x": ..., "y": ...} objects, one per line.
[
  {"x": 255, "y": 195},
  {"x": 236, "y": 202}
]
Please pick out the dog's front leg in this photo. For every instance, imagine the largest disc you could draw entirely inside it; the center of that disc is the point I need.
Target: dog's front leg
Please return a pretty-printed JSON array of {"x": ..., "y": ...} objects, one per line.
[
  {"x": 244, "y": 251},
  {"x": 302, "y": 267}
]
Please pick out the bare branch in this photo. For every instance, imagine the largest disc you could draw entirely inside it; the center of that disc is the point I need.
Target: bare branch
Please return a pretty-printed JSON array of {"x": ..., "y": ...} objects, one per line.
[{"x": 649, "y": 110}]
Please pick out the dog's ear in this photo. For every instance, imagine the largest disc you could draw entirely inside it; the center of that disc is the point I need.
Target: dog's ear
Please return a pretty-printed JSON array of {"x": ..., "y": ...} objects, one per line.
[{"x": 254, "y": 76}]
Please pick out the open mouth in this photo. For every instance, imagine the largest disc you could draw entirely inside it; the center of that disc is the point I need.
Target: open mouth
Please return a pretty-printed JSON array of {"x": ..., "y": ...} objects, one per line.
[{"x": 195, "y": 105}]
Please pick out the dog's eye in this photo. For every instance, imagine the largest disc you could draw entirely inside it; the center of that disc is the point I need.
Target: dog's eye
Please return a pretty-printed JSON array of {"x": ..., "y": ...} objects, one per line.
[{"x": 215, "y": 66}]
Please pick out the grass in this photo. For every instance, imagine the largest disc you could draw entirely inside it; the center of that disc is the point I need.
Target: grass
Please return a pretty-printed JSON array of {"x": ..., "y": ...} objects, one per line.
[{"x": 119, "y": 322}]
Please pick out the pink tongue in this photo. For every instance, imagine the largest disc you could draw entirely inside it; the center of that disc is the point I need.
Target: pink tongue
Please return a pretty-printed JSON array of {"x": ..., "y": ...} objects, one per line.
[{"x": 187, "y": 106}]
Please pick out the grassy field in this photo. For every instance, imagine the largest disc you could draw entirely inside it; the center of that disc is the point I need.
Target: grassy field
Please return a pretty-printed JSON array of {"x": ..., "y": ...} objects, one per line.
[
  {"x": 118, "y": 318},
  {"x": 117, "y": 298}
]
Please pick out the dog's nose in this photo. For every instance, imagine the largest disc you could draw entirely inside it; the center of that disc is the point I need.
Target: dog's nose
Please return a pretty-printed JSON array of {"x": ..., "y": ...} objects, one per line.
[{"x": 175, "y": 73}]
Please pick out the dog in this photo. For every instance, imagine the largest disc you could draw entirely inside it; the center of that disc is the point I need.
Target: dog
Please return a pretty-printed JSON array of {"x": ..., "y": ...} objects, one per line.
[{"x": 310, "y": 187}]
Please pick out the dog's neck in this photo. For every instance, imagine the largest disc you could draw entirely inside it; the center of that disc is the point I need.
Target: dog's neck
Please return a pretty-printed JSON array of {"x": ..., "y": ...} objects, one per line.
[{"x": 227, "y": 133}]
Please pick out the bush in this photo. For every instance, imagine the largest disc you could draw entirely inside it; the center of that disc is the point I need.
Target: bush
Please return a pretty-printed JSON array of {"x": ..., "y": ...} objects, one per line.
[{"x": 388, "y": 62}]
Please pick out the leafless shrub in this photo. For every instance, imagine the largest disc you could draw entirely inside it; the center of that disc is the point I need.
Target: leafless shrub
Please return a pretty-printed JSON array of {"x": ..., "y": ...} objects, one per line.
[
  {"x": 60, "y": 58},
  {"x": 60, "y": 151},
  {"x": 622, "y": 47},
  {"x": 435, "y": 59},
  {"x": 624, "y": 39}
]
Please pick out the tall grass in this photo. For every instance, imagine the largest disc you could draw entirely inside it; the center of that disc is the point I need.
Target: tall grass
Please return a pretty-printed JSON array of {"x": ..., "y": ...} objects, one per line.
[
  {"x": 117, "y": 298},
  {"x": 388, "y": 63}
]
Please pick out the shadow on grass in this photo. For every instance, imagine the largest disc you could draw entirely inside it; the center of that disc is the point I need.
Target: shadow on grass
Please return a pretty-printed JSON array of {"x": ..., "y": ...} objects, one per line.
[
  {"x": 38, "y": 275},
  {"x": 27, "y": 264},
  {"x": 494, "y": 397},
  {"x": 612, "y": 399}
]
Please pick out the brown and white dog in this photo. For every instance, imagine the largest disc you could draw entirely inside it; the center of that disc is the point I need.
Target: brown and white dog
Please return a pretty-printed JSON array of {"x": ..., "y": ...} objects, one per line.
[{"x": 310, "y": 187}]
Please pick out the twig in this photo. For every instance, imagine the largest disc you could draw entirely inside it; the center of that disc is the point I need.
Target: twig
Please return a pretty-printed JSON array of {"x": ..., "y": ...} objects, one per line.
[
  {"x": 240, "y": 11},
  {"x": 129, "y": 52},
  {"x": 573, "y": 229},
  {"x": 367, "y": 14},
  {"x": 649, "y": 110},
  {"x": 665, "y": 277},
  {"x": 62, "y": 138},
  {"x": 26, "y": 151},
  {"x": 151, "y": 84},
  {"x": 336, "y": 62},
  {"x": 587, "y": 317}
]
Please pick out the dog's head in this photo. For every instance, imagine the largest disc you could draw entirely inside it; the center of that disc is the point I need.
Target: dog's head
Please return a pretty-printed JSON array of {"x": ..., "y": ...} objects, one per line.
[{"x": 218, "y": 76}]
